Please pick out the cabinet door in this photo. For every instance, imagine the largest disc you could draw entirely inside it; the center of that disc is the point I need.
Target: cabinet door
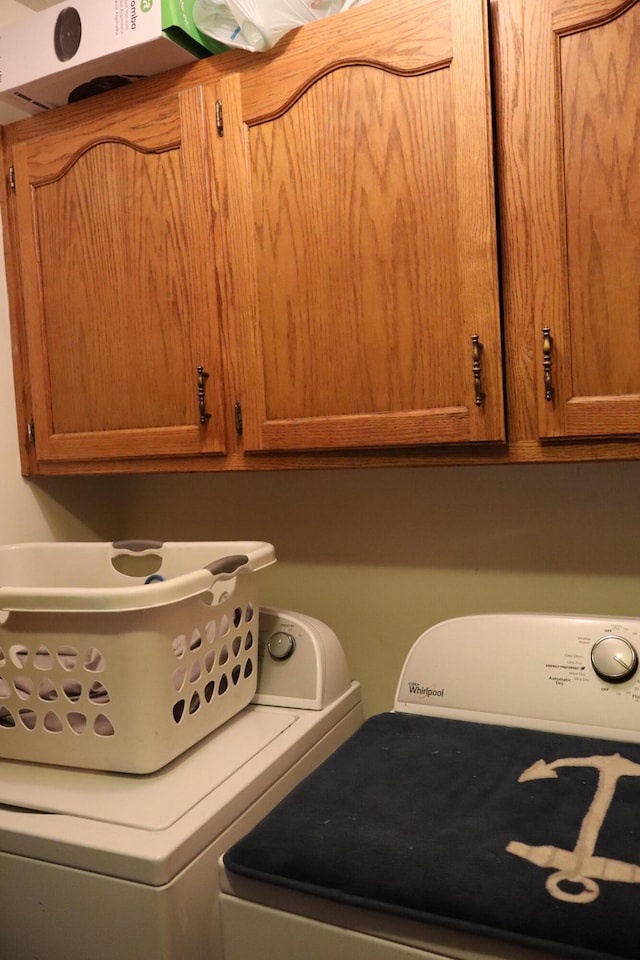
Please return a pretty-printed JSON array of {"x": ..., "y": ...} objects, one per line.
[
  {"x": 362, "y": 233},
  {"x": 116, "y": 254},
  {"x": 583, "y": 79}
]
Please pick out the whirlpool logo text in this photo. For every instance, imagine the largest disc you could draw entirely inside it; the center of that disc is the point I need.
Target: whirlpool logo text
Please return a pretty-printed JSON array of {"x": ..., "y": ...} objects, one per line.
[{"x": 417, "y": 689}]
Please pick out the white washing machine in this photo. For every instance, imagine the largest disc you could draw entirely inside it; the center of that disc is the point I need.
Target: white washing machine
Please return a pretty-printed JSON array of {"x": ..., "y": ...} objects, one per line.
[
  {"x": 123, "y": 867},
  {"x": 494, "y": 814}
]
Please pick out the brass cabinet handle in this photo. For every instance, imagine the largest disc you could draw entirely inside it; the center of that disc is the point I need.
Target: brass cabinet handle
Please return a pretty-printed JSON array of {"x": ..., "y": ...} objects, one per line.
[
  {"x": 547, "y": 347},
  {"x": 202, "y": 378},
  {"x": 477, "y": 369}
]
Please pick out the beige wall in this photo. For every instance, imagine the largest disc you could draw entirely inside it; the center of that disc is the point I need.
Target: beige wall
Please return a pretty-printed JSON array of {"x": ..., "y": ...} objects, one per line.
[{"x": 383, "y": 554}]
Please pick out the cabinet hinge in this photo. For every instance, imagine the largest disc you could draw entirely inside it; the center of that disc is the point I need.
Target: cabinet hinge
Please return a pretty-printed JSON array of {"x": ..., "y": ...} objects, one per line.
[
  {"x": 237, "y": 416},
  {"x": 12, "y": 178},
  {"x": 31, "y": 433},
  {"x": 219, "y": 118}
]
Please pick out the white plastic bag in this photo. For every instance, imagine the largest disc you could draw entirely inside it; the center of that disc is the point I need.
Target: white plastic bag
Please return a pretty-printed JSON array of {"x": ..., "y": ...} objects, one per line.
[{"x": 258, "y": 24}]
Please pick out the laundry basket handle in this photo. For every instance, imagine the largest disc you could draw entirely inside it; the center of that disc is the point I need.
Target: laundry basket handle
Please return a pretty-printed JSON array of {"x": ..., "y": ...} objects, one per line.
[
  {"x": 137, "y": 546},
  {"x": 227, "y": 566}
]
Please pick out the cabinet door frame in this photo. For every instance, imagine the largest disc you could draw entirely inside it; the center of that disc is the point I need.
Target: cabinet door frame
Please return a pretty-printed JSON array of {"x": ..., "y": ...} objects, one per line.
[
  {"x": 172, "y": 122},
  {"x": 435, "y": 35},
  {"x": 562, "y": 411}
]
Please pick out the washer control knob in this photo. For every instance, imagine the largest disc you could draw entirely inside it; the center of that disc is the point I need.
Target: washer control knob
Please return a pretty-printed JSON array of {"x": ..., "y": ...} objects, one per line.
[
  {"x": 281, "y": 645},
  {"x": 614, "y": 659}
]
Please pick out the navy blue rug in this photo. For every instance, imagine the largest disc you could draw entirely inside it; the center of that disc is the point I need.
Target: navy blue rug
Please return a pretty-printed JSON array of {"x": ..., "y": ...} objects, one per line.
[{"x": 527, "y": 836}]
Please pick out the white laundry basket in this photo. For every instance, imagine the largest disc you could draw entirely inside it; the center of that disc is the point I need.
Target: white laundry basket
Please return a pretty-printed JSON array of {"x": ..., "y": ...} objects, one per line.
[{"x": 121, "y": 656}]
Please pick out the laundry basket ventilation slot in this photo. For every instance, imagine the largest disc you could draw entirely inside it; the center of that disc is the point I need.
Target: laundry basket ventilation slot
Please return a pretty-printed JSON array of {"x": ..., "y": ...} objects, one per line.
[{"x": 209, "y": 670}]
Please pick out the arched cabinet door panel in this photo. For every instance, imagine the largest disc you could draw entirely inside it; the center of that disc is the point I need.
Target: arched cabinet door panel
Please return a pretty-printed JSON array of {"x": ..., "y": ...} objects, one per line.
[
  {"x": 583, "y": 85},
  {"x": 116, "y": 234},
  {"x": 361, "y": 233}
]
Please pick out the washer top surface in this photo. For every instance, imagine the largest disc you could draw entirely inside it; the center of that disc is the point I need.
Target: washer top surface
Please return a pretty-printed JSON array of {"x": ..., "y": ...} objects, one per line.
[
  {"x": 147, "y": 828},
  {"x": 152, "y": 801}
]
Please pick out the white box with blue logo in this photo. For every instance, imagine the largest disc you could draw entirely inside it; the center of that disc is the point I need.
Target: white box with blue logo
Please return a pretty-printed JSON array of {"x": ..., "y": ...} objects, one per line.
[{"x": 74, "y": 50}]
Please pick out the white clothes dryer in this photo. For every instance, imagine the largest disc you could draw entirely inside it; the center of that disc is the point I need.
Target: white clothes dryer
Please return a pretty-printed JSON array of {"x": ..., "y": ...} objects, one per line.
[
  {"x": 492, "y": 815},
  {"x": 105, "y": 865}
]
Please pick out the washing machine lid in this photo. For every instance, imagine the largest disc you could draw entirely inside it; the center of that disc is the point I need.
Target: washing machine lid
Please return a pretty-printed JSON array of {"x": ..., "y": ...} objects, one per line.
[{"x": 151, "y": 802}]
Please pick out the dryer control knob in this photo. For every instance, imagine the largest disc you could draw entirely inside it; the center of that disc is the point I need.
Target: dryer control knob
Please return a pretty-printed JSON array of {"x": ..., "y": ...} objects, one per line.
[
  {"x": 614, "y": 659},
  {"x": 281, "y": 645}
]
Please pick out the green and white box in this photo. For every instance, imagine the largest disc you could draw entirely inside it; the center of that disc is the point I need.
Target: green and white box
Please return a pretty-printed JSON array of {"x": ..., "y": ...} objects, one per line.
[{"x": 74, "y": 50}]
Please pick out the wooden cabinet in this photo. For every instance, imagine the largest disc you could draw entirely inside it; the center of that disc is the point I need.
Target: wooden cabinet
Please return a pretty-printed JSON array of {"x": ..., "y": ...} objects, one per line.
[
  {"x": 567, "y": 91},
  {"x": 362, "y": 210},
  {"x": 334, "y": 233},
  {"x": 583, "y": 83},
  {"x": 314, "y": 229},
  {"x": 116, "y": 247}
]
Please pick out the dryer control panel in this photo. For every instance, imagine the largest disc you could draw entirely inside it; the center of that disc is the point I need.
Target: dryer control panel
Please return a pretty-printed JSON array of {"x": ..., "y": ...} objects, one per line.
[
  {"x": 546, "y": 671},
  {"x": 300, "y": 661}
]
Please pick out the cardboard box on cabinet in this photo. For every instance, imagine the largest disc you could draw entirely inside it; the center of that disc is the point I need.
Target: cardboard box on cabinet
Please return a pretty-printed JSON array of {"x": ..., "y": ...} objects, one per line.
[{"x": 74, "y": 50}]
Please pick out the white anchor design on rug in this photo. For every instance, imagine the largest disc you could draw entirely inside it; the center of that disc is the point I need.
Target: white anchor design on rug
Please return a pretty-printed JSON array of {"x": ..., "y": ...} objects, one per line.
[{"x": 579, "y": 866}]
